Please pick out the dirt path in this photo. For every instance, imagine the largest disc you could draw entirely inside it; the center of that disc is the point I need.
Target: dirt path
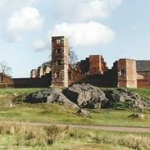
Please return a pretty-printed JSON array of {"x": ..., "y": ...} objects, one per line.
[
  {"x": 112, "y": 128},
  {"x": 93, "y": 127}
]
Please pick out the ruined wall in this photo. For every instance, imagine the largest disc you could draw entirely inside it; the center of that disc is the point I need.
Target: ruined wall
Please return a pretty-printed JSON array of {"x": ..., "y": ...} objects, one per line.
[
  {"x": 127, "y": 75},
  {"x": 75, "y": 76},
  {"x": 101, "y": 80},
  {"x": 46, "y": 70},
  {"x": 92, "y": 70},
  {"x": 97, "y": 64},
  {"x": 83, "y": 66},
  {"x": 33, "y": 73},
  {"x": 44, "y": 81},
  {"x": 142, "y": 83},
  {"x": 143, "y": 75},
  {"x": 143, "y": 79},
  {"x": 115, "y": 74},
  {"x": 40, "y": 72}
]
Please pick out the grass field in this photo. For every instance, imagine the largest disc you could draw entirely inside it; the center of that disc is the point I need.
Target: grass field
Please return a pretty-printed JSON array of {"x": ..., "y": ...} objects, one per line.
[
  {"x": 59, "y": 114},
  {"x": 52, "y": 113},
  {"x": 25, "y": 137}
]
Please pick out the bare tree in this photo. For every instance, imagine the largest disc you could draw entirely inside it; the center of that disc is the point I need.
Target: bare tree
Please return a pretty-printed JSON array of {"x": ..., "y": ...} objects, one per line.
[
  {"x": 48, "y": 63},
  {"x": 73, "y": 58},
  {"x": 5, "y": 69}
]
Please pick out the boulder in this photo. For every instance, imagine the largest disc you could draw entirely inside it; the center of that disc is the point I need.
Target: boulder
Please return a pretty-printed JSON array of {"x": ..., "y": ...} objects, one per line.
[
  {"x": 51, "y": 95},
  {"x": 83, "y": 113},
  {"x": 57, "y": 97},
  {"x": 137, "y": 115},
  {"x": 9, "y": 104},
  {"x": 87, "y": 96},
  {"x": 39, "y": 97}
]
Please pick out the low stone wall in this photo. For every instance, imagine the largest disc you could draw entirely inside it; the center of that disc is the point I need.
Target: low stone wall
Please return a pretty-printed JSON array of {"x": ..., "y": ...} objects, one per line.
[
  {"x": 106, "y": 80},
  {"x": 6, "y": 85},
  {"x": 31, "y": 82}
]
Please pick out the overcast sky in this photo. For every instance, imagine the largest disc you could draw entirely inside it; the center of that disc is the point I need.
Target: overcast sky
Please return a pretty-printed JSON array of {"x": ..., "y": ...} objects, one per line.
[{"x": 112, "y": 28}]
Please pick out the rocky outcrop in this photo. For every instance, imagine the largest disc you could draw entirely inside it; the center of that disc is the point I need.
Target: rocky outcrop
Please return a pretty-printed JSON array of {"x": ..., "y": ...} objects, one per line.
[
  {"x": 38, "y": 97},
  {"x": 51, "y": 95},
  {"x": 87, "y": 96},
  {"x": 128, "y": 98}
]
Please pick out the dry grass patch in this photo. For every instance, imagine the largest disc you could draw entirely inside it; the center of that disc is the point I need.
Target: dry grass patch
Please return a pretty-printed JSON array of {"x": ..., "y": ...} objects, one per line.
[
  {"x": 31, "y": 135},
  {"x": 130, "y": 140},
  {"x": 55, "y": 138}
]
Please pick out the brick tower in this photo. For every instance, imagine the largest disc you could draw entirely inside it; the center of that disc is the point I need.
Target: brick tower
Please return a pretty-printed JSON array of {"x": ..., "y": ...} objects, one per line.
[
  {"x": 60, "y": 61},
  {"x": 127, "y": 76}
]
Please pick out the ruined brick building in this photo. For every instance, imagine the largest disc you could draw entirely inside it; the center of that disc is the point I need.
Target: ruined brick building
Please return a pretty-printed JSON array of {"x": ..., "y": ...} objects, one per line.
[{"x": 124, "y": 73}]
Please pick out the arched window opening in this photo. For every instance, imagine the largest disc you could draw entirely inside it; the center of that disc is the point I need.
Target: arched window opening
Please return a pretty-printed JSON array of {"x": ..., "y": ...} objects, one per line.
[
  {"x": 57, "y": 75},
  {"x": 58, "y": 62}
]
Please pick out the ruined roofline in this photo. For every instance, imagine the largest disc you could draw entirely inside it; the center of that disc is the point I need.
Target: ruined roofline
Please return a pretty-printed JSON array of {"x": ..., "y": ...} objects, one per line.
[
  {"x": 142, "y": 60},
  {"x": 143, "y": 65},
  {"x": 124, "y": 59},
  {"x": 96, "y": 55},
  {"x": 127, "y": 59},
  {"x": 61, "y": 36}
]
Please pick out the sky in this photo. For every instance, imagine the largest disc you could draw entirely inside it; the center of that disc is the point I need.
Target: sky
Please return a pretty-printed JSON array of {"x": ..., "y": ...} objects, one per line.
[{"x": 112, "y": 28}]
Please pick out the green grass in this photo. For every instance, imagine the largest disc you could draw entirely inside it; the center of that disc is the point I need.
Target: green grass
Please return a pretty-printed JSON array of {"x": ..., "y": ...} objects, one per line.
[
  {"x": 52, "y": 113},
  {"x": 30, "y": 138},
  {"x": 142, "y": 92},
  {"x": 18, "y": 91}
]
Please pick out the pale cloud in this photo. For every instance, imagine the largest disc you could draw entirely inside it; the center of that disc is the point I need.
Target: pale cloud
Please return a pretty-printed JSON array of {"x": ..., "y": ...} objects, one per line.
[
  {"x": 84, "y": 34},
  {"x": 21, "y": 21},
  {"x": 26, "y": 17},
  {"x": 85, "y": 9},
  {"x": 11, "y": 5},
  {"x": 41, "y": 44},
  {"x": 97, "y": 8}
]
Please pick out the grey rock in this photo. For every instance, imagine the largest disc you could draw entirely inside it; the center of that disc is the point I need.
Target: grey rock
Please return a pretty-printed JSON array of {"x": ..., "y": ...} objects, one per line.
[
  {"x": 51, "y": 95},
  {"x": 132, "y": 100},
  {"x": 10, "y": 104},
  {"x": 118, "y": 97},
  {"x": 137, "y": 115},
  {"x": 83, "y": 113},
  {"x": 87, "y": 96},
  {"x": 57, "y": 97}
]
